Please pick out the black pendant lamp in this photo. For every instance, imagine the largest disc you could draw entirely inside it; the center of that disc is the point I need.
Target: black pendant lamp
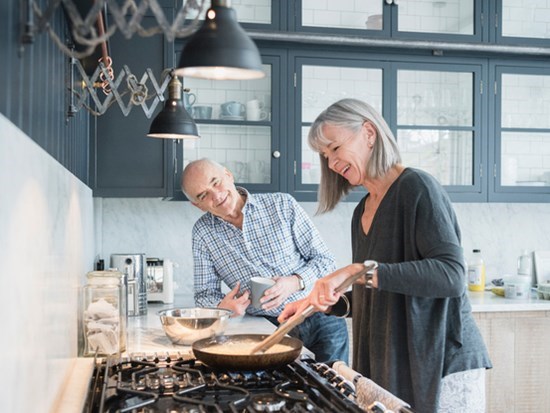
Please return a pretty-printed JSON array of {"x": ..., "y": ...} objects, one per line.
[
  {"x": 174, "y": 122},
  {"x": 221, "y": 49}
]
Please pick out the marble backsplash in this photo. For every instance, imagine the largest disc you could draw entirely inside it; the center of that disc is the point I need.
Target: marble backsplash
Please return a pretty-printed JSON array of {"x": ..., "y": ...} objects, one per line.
[
  {"x": 46, "y": 247},
  {"x": 163, "y": 229}
]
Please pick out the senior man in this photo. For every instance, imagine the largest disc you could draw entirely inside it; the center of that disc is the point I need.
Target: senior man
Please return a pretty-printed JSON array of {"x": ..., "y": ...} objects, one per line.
[{"x": 241, "y": 236}]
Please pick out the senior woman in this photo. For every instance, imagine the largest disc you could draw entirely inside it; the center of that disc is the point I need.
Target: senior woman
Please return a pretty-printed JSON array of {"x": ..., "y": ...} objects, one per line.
[{"x": 413, "y": 330}]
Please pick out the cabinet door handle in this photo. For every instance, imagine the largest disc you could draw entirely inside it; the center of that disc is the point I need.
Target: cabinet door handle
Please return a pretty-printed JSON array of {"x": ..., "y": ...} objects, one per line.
[
  {"x": 389, "y": 1},
  {"x": 276, "y": 154}
]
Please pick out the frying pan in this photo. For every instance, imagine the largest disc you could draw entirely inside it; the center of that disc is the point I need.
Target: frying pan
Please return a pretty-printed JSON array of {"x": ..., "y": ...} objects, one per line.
[
  {"x": 228, "y": 361},
  {"x": 259, "y": 358}
]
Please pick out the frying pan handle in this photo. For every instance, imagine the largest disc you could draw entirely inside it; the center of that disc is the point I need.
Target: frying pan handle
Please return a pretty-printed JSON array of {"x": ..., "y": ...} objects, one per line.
[{"x": 350, "y": 280}]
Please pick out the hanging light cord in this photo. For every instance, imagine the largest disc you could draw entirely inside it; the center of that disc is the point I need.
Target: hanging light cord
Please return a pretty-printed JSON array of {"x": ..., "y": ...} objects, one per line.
[{"x": 105, "y": 58}]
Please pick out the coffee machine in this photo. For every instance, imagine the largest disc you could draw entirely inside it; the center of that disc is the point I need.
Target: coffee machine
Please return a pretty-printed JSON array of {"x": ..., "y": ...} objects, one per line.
[{"x": 133, "y": 266}]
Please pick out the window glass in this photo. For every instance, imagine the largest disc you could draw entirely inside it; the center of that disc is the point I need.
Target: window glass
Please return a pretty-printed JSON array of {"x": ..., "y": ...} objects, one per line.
[
  {"x": 447, "y": 155},
  {"x": 244, "y": 150},
  {"x": 436, "y": 16},
  {"x": 525, "y": 159},
  {"x": 343, "y": 14},
  {"x": 525, "y": 101},
  {"x": 526, "y": 18},
  {"x": 324, "y": 85},
  {"x": 248, "y": 11},
  {"x": 434, "y": 98},
  {"x": 525, "y": 120}
]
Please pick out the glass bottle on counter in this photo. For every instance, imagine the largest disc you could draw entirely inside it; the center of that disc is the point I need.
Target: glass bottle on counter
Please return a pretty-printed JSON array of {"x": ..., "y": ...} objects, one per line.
[
  {"x": 476, "y": 272},
  {"x": 104, "y": 313},
  {"x": 525, "y": 264}
]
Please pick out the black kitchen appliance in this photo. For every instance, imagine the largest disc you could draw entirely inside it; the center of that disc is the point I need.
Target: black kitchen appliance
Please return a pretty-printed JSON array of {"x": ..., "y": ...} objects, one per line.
[{"x": 144, "y": 383}]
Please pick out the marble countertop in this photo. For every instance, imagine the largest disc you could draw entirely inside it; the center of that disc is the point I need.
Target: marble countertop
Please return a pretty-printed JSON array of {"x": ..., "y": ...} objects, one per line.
[
  {"x": 486, "y": 301},
  {"x": 145, "y": 334}
]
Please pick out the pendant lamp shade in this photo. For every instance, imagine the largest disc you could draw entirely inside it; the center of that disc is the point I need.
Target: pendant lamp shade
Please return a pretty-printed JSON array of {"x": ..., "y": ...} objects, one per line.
[
  {"x": 220, "y": 49},
  {"x": 174, "y": 122}
]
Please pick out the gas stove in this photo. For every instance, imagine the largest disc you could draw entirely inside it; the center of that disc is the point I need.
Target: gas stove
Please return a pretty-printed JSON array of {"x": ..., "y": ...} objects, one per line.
[{"x": 146, "y": 383}]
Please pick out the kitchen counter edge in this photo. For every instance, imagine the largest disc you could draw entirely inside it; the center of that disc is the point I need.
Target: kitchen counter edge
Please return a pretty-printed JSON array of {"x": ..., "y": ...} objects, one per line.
[{"x": 486, "y": 301}]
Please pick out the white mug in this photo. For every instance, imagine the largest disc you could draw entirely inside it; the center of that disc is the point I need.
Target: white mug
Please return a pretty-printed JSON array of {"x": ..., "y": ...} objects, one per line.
[
  {"x": 258, "y": 286},
  {"x": 254, "y": 110}
]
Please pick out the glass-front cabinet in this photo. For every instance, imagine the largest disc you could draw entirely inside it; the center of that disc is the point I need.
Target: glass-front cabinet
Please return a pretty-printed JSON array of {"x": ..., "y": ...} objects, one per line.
[
  {"x": 522, "y": 132},
  {"x": 475, "y": 121},
  {"x": 447, "y": 19},
  {"x": 238, "y": 123},
  {"x": 438, "y": 129},
  {"x": 433, "y": 109},
  {"x": 500, "y": 21},
  {"x": 321, "y": 82}
]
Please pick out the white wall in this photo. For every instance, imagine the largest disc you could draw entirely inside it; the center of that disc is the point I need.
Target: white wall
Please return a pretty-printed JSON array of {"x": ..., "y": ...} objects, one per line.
[
  {"x": 46, "y": 248},
  {"x": 163, "y": 229}
]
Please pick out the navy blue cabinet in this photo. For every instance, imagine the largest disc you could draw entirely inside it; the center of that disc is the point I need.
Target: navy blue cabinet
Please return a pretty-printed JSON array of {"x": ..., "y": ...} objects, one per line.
[
  {"x": 124, "y": 161},
  {"x": 446, "y": 89}
]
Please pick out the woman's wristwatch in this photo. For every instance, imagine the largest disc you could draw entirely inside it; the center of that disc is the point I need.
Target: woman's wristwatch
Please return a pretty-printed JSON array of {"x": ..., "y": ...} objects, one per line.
[{"x": 370, "y": 273}]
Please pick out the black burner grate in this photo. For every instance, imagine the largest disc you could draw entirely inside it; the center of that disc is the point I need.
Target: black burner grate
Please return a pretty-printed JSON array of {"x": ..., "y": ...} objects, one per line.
[{"x": 147, "y": 384}]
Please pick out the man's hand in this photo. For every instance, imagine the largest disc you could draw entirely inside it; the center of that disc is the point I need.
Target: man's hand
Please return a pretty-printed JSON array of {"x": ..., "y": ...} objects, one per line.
[
  {"x": 277, "y": 295},
  {"x": 235, "y": 302}
]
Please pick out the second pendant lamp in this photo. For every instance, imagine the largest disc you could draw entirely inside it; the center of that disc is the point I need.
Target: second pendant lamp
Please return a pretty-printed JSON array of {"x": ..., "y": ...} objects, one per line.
[
  {"x": 174, "y": 122},
  {"x": 220, "y": 49}
]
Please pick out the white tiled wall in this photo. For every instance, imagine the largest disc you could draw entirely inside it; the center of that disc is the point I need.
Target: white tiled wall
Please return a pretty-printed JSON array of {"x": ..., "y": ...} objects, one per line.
[
  {"x": 248, "y": 11},
  {"x": 436, "y": 16},
  {"x": 324, "y": 85},
  {"x": 526, "y": 18},
  {"x": 343, "y": 13}
]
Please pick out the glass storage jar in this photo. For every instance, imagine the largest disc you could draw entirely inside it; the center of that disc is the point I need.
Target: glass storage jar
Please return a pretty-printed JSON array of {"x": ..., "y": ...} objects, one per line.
[{"x": 104, "y": 313}]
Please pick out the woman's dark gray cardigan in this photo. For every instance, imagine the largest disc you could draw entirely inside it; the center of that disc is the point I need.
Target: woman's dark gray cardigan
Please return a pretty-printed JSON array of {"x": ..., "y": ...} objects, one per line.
[{"x": 417, "y": 327}]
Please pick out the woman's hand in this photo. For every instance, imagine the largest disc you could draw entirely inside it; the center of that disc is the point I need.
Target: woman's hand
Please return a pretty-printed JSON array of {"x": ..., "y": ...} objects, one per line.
[
  {"x": 235, "y": 302},
  {"x": 293, "y": 308},
  {"x": 324, "y": 295}
]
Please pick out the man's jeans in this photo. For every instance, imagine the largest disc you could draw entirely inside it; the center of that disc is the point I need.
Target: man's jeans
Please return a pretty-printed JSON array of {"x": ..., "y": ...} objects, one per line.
[{"x": 324, "y": 335}]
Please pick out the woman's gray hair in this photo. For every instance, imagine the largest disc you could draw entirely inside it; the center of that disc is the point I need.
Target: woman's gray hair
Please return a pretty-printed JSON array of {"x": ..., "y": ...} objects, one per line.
[{"x": 351, "y": 114}]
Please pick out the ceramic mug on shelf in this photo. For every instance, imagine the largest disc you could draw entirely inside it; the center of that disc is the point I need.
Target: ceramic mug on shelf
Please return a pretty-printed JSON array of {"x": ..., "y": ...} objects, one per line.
[
  {"x": 232, "y": 109},
  {"x": 188, "y": 101},
  {"x": 202, "y": 112},
  {"x": 255, "y": 110}
]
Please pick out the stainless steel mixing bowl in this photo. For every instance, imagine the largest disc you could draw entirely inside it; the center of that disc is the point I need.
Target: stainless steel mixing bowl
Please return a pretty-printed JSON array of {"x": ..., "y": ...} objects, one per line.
[{"x": 186, "y": 325}]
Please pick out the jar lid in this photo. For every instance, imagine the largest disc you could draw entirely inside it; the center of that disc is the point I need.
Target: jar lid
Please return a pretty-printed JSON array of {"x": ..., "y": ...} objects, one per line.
[{"x": 104, "y": 277}]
